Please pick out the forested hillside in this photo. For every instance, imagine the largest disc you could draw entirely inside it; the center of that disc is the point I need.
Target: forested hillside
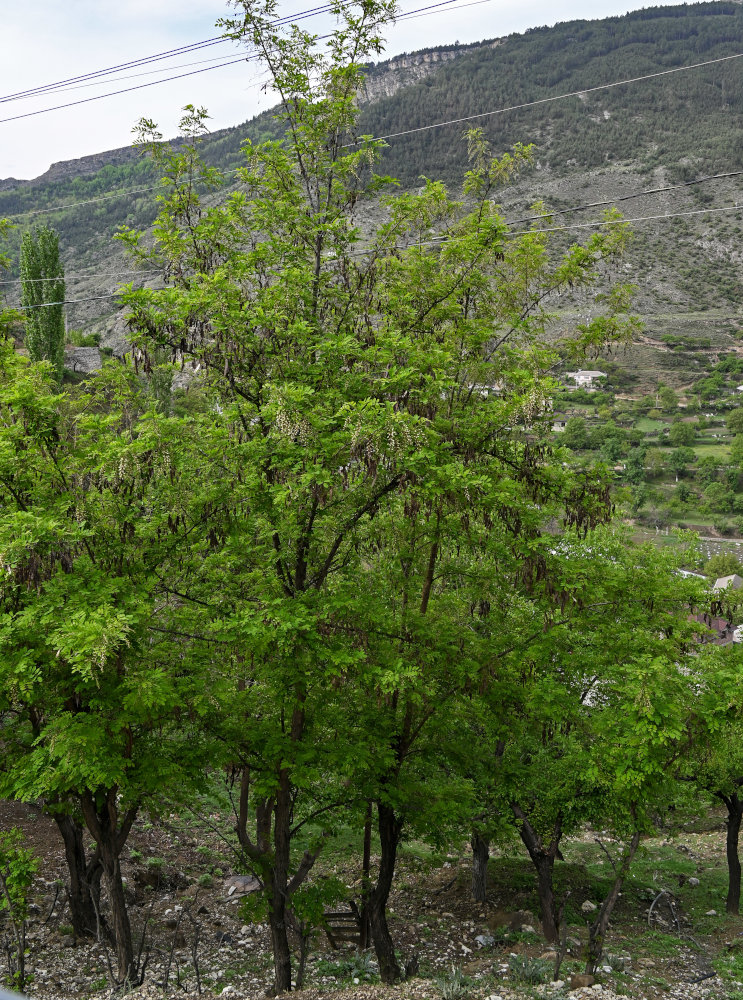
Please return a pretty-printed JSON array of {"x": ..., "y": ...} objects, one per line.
[
  {"x": 689, "y": 123},
  {"x": 595, "y": 146}
]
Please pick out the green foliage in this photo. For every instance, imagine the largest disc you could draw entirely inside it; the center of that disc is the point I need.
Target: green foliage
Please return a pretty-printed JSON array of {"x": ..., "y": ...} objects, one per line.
[
  {"x": 455, "y": 985},
  {"x": 357, "y": 968},
  {"x": 79, "y": 339},
  {"x": 736, "y": 449},
  {"x": 718, "y": 497},
  {"x": 42, "y": 296},
  {"x": 18, "y": 866},
  {"x": 723, "y": 564},
  {"x": 681, "y": 459},
  {"x": 668, "y": 399},
  {"x": 681, "y": 342},
  {"x": 342, "y": 561},
  {"x": 312, "y": 898},
  {"x": 526, "y": 969},
  {"x": 681, "y": 434},
  {"x": 734, "y": 420}
]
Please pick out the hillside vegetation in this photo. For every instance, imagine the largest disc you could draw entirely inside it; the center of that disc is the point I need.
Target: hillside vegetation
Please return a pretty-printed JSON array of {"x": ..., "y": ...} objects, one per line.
[
  {"x": 319, "y": 619},
  {"x": 593, "y": 147}
]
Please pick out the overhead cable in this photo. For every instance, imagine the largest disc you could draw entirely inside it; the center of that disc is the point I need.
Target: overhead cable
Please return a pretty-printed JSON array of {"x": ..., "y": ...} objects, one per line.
[
  {"x": 115, "y": 79},
  {"x": 144, "y": 60},
  {"x": 157, "y": 57},
  {"x": 598, "y": 224},
  {"x": 629, "y": 197},
  {"x": 76, "y": 276},
  {"x": 556, "y": 97},
  {"x": 431, "y": 8},
  {"x": 126, "y": 90}
]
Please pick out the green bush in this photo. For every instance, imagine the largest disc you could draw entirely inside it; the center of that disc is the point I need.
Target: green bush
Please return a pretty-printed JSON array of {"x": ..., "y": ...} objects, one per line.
[{"x": 529, "y": 970}]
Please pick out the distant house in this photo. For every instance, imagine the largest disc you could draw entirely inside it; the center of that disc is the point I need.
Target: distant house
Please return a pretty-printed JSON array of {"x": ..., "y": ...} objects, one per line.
[
  {"x": 721, "y": 631},
  {"x": 585, "y": 379},
  {"x": 723, "y": 582},
  {"x": 559, "y": 422},
  {"x": 689, "y": 572}
]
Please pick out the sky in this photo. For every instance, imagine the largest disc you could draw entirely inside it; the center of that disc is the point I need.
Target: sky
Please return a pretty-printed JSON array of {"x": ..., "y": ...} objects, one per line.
[{"x": 50, "y": 41}]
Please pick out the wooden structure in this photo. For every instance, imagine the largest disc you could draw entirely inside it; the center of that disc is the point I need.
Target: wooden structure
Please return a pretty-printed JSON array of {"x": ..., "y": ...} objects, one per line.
[{"x": 345, "y": 926}]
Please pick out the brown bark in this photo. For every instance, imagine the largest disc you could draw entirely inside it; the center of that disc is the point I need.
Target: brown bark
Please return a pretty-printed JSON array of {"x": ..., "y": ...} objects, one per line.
[
  {"x": 365, "y": 928},
  {"x": 85, "y": 878},
  {"x": 597, "y": 930},
  {"x": 110, "y": 832},
  {"x": 271, "y": 857},
  {"x": 480, "y": 855},
  {"x": 543, "y": 859},
  {"x": 390, "y": 829},
  {"x": 279, "y": 878},
  {"x": 734, "y": 807}
]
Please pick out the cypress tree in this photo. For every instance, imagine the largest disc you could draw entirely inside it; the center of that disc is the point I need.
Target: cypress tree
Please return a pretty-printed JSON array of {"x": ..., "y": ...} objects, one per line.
[{"x": 42, "y": 281}]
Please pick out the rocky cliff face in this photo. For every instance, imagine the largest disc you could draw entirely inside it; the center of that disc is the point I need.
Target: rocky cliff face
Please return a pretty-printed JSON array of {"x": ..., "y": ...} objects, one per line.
[
  {"x": 83, "y": 166},
  {"x": 385, "y": 79}
]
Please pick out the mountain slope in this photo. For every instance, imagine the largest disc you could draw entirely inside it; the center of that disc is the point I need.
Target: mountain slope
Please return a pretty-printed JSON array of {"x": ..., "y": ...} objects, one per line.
[{"x": 599, "y": 145}]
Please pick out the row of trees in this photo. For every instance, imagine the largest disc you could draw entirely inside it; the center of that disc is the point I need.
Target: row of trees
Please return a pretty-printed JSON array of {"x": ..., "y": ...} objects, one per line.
[{"x": 356, "y": 576}]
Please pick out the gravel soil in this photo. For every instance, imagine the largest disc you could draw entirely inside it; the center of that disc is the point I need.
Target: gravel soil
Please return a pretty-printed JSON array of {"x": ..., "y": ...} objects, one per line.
[{"x": 195, "y": 929}]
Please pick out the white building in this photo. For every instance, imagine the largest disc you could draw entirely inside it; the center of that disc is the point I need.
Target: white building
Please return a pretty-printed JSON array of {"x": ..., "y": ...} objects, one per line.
[{"x": 585, "y": 379}]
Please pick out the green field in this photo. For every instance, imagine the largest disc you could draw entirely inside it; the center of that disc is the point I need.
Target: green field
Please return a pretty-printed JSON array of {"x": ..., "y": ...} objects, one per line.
[{"x": 712, "y": 450}]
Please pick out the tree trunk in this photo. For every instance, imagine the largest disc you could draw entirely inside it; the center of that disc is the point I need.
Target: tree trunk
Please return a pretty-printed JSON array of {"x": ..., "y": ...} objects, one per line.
[
  {"x": 277, "y": 916},
  {"x": 544, "y": 863},
  {"x": 282, "y": 959},
  {"x": 110, "y": 835},
  {"x": 597, "y": 930},
  {"x": 543, "y": 860},
  {"x": 480, "y": 855},
  {"x": 365, "y": 928},
  {"x": 735, "y": 814},
  {"x": 122, "y": 931},
  {"x": 390, "y": 828},
  {"x": 85, "y": 878}
]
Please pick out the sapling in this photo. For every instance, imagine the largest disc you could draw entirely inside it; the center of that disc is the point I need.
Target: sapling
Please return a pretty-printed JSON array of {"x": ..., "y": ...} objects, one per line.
[{"x": 17, "y": 869}]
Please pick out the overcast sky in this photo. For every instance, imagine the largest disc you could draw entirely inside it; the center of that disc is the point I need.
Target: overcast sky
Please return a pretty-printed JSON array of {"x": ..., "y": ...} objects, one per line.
[{"x": 53, "y": 40}]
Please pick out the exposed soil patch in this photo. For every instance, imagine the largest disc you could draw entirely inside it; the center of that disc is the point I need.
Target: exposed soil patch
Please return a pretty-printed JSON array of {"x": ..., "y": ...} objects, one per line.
[{"x": 195, "y": 930}]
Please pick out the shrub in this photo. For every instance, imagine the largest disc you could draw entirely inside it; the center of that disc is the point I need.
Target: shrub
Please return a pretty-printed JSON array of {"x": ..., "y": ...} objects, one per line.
[{"x": 529, "y": 970}]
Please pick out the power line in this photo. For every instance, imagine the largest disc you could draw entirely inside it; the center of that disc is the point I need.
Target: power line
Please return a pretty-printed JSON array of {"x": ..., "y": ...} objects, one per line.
[
  {"x": 70, "y": 302},
  {"x": 419, "y": 12},
  {"x": 95, "y": 77},
  {"x": 230, "y": 62},
  {"x": 88, "y": 201},
  {"x": 528, "y": 218},
  {"x": 125, "y": 90},
  {"x": 79, "y": 276},
  {"x": 557, "y": 97},
  {"x": 621, "y": 221},
  {"x": 115, "y": 79},
  {"x": 144, "y": 60},
  {"x": 157, "y": 57},
  {"x": 630, "y": 197},
  {"x": 598, "y": 224}
]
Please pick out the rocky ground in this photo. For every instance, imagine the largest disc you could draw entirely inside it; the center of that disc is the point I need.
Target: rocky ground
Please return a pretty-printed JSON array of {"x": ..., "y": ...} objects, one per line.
[{"x": 190, "y": 915}]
